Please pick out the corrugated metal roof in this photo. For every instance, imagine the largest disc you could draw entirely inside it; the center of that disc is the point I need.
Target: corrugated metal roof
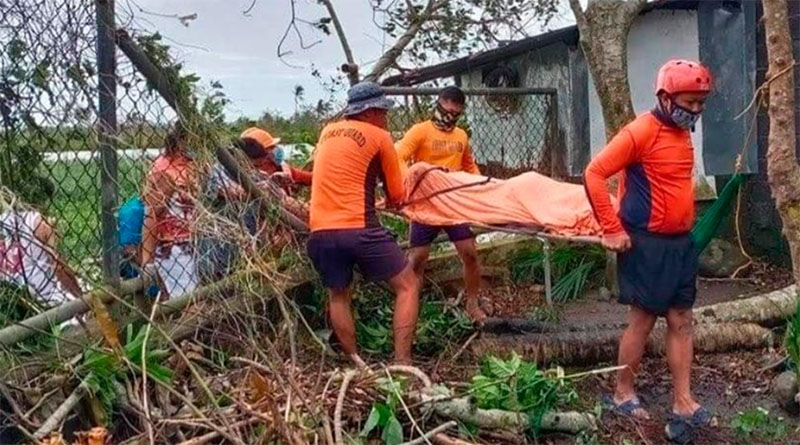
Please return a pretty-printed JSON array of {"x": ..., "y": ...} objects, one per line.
[{"x": 568, "y": 35}]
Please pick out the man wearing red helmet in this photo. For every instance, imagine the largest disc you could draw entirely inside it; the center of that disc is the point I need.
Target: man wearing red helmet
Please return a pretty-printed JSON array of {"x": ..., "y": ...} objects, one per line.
[{"x": 657, "y": 260}]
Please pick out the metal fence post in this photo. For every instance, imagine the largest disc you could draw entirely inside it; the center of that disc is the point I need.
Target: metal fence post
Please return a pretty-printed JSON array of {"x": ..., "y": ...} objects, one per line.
[{"x": 107, "y": 130}]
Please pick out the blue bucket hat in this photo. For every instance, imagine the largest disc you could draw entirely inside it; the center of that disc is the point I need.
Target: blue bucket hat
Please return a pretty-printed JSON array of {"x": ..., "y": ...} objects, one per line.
[{"x": 366, "y": 95}]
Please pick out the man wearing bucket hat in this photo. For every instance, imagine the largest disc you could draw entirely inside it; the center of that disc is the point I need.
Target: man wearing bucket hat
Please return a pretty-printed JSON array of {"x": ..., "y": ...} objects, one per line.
[
  {"x": 657, "y": 261},
  {"x": 352, "y": 154}
]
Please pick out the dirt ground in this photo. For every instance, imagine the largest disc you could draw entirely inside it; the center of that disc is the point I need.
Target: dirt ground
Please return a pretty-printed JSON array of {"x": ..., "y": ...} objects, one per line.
[{"x": 727, "y": 384}]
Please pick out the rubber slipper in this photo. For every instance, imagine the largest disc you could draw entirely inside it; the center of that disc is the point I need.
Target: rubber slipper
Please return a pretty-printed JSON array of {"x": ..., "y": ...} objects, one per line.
[
  {"x": 701, "y": 417},
  {"x": 680, "y": 429},
  {"x": 625, "y": 408}
]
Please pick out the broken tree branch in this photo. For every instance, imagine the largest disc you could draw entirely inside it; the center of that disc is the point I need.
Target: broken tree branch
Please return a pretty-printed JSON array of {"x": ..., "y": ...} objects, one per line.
[
  {"x": 63, "y": 410},
  {"x": 201, "y": 440},
  {"x": 21, "y": 330},
  {"x": 441, "y": 401},
  {"x": 337, "y": 413},
  {"x": 351, "y": 68},
  {"x": 430, "y": 434},
  {"x": 392, "y": 54}
]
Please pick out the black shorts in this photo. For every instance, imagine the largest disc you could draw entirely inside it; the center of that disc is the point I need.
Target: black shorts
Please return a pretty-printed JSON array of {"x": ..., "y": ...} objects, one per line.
[
  {"x": 334, "y": 253},
  {"x": 658, "y": 273},
  {"x": 424, "y": 234}
]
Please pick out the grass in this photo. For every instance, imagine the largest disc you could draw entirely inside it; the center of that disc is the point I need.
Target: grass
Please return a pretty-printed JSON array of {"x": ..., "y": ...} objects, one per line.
[
  {"x": 75, "y": 207},
  {"x": 573, "y": 269},
  {"x": 791, "y": 340},
  {"x": 759, "y": 424}
]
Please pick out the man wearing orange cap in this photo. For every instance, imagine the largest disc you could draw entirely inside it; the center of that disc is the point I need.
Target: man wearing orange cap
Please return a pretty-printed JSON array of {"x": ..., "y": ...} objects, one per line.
[
  {"x": 262, "y": 149},
  {"x": 267, "y": 156},
  {"x": 657, "y": 260}
]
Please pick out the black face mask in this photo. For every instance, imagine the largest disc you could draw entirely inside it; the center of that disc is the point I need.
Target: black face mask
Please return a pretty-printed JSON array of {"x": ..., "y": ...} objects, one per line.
[
  {"x": 443, "y": 119},
  {"x": 676, "y": 115}
]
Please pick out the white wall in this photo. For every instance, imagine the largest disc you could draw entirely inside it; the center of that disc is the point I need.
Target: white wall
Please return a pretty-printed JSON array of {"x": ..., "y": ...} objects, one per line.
[{"x": 655, "y": 37}]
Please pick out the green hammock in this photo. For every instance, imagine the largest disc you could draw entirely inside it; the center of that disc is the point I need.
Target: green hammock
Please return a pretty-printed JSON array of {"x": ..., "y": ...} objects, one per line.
[{"x": 706, "y": 227}]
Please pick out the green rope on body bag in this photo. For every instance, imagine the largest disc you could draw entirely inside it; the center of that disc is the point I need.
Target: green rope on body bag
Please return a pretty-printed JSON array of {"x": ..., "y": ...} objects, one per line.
[{"x": 707, "y": 225}]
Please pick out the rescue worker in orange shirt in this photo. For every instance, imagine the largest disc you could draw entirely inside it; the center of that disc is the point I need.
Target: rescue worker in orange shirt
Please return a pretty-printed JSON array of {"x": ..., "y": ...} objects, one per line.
[
  {"x": 352, "y": 154},
  {"x": 657, "y": 260},
  {"x": 439, "y": 142},
  {"x": 263, "y": 151}
]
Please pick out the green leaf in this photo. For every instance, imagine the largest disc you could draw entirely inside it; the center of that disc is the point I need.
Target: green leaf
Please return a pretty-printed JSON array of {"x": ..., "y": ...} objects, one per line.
[
  {"x": 385, "y": 413},
  {"x": 372, "y": 421},
  {"x": 41, "y": 75},
  {"x": 15, "y": 49},
  {"x": 393, "y": 433}
]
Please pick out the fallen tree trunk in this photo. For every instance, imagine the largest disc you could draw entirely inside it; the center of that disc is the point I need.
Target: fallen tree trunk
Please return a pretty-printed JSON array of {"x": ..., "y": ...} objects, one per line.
[
  {"x": 73, "y": 342},
  {"x": 601, "y": 345},
  {"x": 19, "y": 331},
  {"x": 439, "y": 400},
  {"x": 769, "y": 309}
]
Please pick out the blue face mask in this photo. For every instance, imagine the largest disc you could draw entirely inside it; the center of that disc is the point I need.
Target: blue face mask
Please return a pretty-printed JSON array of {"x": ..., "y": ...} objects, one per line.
[
  {"x": 278, "y": 155},
  {"x": 682, "y": 117}
]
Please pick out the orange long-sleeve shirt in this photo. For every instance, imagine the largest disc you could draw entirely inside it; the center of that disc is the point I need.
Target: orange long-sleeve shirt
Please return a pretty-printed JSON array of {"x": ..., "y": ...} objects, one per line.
[
  {"x": 656, "y": 189},
  {"x": 269, "y": 167},
  {"x": 350, "y": 158},
  {"x": 424, "y": 142}
]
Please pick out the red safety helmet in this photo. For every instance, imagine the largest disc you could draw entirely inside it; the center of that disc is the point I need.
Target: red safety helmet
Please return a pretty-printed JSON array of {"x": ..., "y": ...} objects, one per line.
[{"x": 683, "y": 76}]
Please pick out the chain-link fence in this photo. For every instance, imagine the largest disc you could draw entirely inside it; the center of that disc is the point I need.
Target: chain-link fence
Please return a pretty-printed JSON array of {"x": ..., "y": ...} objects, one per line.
[
  {"x": 512, "y": 130},
  {"x": 72, "y": 157},
  {"x": 50, "y": 150}
]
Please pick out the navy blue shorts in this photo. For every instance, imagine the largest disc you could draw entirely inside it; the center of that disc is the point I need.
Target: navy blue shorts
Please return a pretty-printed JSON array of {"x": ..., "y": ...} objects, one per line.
[
  {"x": 658, "y": 272},
  {"x": 334, "y": 253},
  {"x": 424, "y": 234}
]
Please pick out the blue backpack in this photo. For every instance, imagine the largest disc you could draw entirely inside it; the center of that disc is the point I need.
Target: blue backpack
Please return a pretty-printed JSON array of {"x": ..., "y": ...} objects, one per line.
[{"x": 131, "y": 220}]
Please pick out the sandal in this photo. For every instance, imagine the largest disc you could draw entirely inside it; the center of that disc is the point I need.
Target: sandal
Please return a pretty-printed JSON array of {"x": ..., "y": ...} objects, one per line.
[
  {"x": 680, "y": 429},
  {"x": 626, "y": 408}
]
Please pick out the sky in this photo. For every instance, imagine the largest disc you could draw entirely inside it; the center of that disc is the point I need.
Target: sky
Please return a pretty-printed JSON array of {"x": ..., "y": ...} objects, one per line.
[{"x": 240, "y": 50}]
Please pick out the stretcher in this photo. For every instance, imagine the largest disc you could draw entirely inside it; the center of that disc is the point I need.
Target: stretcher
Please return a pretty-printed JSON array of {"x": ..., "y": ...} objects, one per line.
[
  {"x": 546, "y": 239},
  {"x": 530, "y": 205}
]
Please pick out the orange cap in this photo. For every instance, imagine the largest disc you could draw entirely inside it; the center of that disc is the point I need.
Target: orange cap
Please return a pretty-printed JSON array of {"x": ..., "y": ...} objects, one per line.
[{"x": 263, "y": 138}]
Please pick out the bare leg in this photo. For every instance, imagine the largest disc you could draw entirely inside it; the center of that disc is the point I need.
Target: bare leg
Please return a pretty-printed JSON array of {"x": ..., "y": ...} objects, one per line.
[
  {"x": 341, "y": 314},
  {"x": 406, "y": 287},
  {"x": 631, "y": 350},
  {"x": 680, "y": 353},
  {"x": 468, "y": 252},
  {"x": 418, "y": 258}
]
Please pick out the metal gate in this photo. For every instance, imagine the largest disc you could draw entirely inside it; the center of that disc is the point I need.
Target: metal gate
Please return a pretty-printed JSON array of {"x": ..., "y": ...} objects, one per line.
[{"x": 512, "y": 130}]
